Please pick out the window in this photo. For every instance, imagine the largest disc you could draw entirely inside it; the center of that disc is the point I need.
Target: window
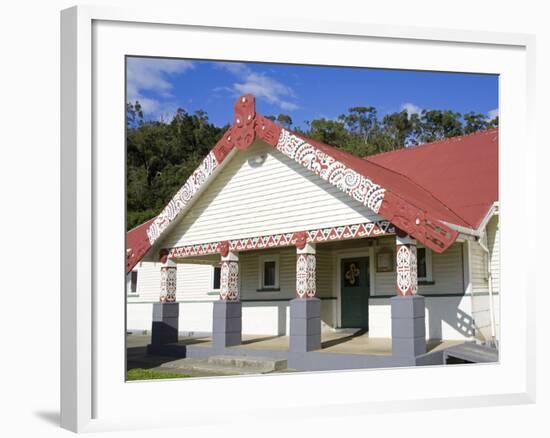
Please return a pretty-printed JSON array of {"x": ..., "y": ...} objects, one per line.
[
  {"x": 216, "y": 277},
  {"x": 132, "y": 282},
  {"x": 424, "y": 264},
  {"x": 269, "y": 273}
]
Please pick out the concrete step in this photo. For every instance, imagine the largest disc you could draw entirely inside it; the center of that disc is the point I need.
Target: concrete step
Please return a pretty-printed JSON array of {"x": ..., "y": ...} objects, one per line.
[
  {"x": 244, "y": 362},
  {"x": 225, "y": 365}
]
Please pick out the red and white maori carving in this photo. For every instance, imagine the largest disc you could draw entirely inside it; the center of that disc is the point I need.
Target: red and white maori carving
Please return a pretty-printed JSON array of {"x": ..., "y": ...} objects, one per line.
[
  {"x": 244, "y": 121},
  {"x": 182, "y": 197},
  {"x": 328, "y": 168},
  {"x": 229, "y": 280},
  {"x": 344, "y": 232},
  {"x": 407, "y": 283},
  {"x": 305, "y": 275},
  {"x": 301, "y": 239},
  {"x": 434, "y": 234},
  {"x": 168, "y": 283},
  {"x": 268, "y": 131},
  {"x": 223, "y": 248},
  {"x": 224, "y": 146}
]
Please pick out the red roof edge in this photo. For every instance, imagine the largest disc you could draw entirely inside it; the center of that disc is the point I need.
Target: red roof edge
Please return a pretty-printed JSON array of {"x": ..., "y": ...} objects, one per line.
[{"x": 137, "y": 244}]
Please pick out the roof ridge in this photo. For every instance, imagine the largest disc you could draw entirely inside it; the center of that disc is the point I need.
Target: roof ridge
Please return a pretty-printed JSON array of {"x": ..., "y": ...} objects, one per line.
[{"x": 432, "y": 143}]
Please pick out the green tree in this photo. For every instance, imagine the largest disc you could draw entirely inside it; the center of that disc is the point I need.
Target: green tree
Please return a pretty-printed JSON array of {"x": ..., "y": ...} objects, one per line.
[
  {"x": 437, "y": 125},
  {"x": 134, "y": 114},
  {"x": 361, "y": 121},
  {"x": 332, "y": 132},
  {"x": 399, "y": 129},
  {"x": 493, "y": 123},
  {"x": 284, "y": 120},
  {"x": 474, "y": 122}
]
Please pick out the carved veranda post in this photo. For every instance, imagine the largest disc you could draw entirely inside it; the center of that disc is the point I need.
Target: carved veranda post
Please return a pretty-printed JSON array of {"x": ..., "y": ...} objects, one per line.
[
  {"x": 305, "y": 309},
  {"x": 227, "y": 311},
  {"x": 165, "y": 323},
  {"x": 406, "y": 265},
  {"x": 407, "y": 307}
]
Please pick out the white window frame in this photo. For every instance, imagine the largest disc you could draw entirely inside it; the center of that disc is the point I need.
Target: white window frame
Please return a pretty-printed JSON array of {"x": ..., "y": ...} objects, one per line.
[
  {"x": 262, "y": 260},
  {"x": 129, "y": 290},
  {"x": 429, "y": 272},
  {"x": 212, "y": 278}
]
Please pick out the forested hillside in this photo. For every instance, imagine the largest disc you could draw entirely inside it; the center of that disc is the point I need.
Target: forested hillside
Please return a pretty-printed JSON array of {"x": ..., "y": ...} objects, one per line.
[{"x": 162, "y": 154}]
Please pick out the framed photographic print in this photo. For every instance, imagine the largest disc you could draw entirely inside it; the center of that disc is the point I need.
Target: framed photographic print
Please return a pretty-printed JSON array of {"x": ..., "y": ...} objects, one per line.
[{"x": 304, "y": 219}]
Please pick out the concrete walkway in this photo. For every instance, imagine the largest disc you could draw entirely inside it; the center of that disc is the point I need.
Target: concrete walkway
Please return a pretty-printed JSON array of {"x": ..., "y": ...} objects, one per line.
[{"x": 339, "y": 342}]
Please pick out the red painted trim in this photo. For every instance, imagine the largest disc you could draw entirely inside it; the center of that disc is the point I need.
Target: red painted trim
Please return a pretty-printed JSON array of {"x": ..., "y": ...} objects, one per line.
[
  {"x": 223, "y": 248},
  {"x": 416, "y": 222},
  {"x": 345, "y": 232},
  {"x": 301, "y": 239},
  {"x": 163, "y": 255}
]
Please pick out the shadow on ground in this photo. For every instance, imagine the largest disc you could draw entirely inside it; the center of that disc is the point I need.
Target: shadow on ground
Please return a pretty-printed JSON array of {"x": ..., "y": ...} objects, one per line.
[{"x": 51, "y": 417}]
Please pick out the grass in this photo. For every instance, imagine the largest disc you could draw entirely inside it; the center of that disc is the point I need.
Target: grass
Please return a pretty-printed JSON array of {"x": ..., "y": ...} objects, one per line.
[{"x": 143, "y": 374}]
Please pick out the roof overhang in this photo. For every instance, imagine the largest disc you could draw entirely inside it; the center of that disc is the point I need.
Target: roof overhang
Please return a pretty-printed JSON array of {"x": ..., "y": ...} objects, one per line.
[{"x": 480, "y": 230}]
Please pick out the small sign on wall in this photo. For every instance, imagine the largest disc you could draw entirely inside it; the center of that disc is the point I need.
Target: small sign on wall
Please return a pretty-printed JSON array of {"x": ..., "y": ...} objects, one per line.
[{"x": 384, "y": 260}]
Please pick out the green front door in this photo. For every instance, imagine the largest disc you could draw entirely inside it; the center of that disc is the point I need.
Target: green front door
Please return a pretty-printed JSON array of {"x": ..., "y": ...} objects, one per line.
[{"x": 355, "y": 292}]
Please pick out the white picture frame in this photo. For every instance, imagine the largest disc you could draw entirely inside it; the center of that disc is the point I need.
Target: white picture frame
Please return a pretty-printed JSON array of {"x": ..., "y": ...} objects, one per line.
[{"x": 93, "y": 391}]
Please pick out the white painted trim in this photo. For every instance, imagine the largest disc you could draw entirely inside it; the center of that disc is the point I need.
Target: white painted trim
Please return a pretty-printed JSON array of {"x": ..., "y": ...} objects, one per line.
[
  {"x": 344, "y": 254},
  {"x": 268, "y": 258},
  {"x": 309, "y": 248}
]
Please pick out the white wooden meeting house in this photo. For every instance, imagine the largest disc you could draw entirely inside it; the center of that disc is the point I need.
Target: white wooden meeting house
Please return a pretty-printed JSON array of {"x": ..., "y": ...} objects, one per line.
[{"x": 277, "y": 235}]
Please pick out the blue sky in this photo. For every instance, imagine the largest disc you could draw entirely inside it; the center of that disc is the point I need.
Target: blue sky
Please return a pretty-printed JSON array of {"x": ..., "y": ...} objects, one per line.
[{"x": 303, "y": 92}]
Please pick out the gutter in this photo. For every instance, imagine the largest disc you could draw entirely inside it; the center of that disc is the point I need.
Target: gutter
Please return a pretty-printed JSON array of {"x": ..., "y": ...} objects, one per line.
[{"x": 480, "y": 230}]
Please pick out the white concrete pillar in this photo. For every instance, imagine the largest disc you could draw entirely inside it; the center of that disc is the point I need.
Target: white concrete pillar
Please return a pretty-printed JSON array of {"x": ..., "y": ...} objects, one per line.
[
  {"x": 227, "y": 316},
  {"x": 407, "y": 308},
  {"x": 165, "y": 321},
  {"x": 305, "y": 309}
]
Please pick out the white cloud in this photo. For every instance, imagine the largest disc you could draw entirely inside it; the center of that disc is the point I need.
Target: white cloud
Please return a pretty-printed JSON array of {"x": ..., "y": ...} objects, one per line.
[
  {"x": 411, "y": 108},
  {"x": 151, "y": 74},
  {"x": 260, "y": 85},
  {"x": 492, "y": 114}
]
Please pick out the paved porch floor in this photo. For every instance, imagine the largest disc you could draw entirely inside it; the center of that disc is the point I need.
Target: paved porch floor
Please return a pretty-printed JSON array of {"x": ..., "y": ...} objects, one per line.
[{"x": 331, "y": 342}]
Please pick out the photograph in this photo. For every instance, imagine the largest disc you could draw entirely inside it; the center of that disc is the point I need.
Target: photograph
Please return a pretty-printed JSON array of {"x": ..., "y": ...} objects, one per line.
[{"x": 286, "y": 218}]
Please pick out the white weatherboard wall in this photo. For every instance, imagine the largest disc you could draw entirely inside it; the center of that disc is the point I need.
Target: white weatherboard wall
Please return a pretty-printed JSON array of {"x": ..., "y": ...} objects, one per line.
[
  {"x": 447, "y": 317},
  {"x": 481, "y": 263},
  {"x": 267, "y": 312},
  {"x": 447, "y": 272},
  {"x": 274, "y": 196},
  {"x": 194, "y": 282}
]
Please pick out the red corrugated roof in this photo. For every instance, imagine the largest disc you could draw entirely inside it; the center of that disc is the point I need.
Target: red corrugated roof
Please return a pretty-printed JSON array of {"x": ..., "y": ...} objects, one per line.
[
  {"x": 137, "y": 244},
  {"x": 392, "y": 179},
  {"x": 461, "y": 173},
  {"x": 453, "y": 180}
]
